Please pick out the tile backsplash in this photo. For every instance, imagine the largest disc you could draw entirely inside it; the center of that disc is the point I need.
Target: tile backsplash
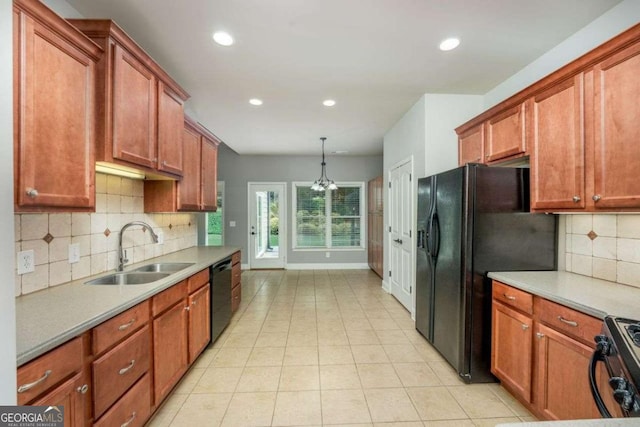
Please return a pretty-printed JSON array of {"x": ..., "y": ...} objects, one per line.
[
  {"x": 118, "y": 201},
  {"x": 604, "y": 246}
]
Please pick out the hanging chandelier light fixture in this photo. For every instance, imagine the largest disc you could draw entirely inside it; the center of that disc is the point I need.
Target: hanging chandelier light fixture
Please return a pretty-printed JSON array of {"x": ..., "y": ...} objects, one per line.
[{"x": 323, "y": 183}]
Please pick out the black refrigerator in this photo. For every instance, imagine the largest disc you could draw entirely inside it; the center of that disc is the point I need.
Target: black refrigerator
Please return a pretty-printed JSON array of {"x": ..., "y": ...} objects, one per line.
[{"x": 472, "y": 220}]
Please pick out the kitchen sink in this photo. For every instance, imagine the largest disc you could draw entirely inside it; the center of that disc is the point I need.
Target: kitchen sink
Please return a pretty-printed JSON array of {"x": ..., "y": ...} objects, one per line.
[
  {"x": 128, "y": 278},
  {"x": 164, "y": 267}
]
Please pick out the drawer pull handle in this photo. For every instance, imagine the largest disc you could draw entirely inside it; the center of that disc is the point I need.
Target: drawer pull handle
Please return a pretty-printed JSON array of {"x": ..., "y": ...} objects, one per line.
[
  {"x": 568, "y": 322},
  {"x": 128, "y": 368},
  {"x": 27, "y": 387},
  {"x": 525, "y": 327},
  {"x": 83, "y": 389},
  {"x": 129, "y": 421},
  {"x": 509, "y": 297},
  {"x": 126, "y": 325},
  {"x": 539, "y": 335}
]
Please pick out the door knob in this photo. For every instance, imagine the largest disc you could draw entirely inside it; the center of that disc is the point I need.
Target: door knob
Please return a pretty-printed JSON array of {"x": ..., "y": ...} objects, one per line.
[{"x": 253, "y": 233}]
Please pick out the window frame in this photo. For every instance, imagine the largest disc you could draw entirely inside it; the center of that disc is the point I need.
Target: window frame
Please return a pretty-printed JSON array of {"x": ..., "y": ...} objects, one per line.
[
  {"x": 219, "y": 190},
  {"x": 363, "y": 218}
]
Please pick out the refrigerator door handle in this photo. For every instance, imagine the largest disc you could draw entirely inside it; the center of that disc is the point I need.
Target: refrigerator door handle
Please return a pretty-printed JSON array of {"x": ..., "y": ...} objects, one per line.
[
  {"x": 429, "y": 235},
  {"x": 435, "y": 233}
]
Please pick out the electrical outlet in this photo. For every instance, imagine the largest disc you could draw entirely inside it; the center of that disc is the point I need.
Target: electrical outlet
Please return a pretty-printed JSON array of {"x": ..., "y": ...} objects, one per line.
[
  {"x": 327, "y": 254},
  {"x": 74, "y": 253},
  {"x": 232, "y": 223},
  {"x": 26, "y": 262},
  {"x": 160, "y": 237}
]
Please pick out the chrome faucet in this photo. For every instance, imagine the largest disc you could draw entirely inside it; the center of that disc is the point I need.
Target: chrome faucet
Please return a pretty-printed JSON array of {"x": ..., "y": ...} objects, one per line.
[{"x": 121, "y": 260}]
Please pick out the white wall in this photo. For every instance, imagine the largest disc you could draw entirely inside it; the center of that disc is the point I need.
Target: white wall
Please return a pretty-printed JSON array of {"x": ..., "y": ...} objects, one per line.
[
  {"x": 443, "y": 114},
  {"x": 7, "y": 300},
  {"x": 426, "y": 134},
  {"x": 605, "y": 27}
]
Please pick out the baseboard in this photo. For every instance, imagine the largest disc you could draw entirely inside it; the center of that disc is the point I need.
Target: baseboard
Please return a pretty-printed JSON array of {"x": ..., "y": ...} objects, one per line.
[
  {"x": 327, "y": 266},
  {"x": 386, "y": 287},
  {"x": 244, "y": 266}
]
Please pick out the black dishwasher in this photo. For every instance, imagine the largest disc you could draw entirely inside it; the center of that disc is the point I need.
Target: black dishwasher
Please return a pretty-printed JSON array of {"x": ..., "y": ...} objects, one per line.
[{"x": 220, "y": 297}]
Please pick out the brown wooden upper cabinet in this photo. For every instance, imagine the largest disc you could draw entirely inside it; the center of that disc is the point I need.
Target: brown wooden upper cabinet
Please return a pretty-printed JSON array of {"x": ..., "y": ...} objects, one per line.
[
  {"x": 580, "y": 127},
  {"x": 197, "y": 191},
  {"x": 54, "y": 96},
  {"x": 505, "y": 137},
  {"x": 558, "y": 159},
  {"x": 471, "y": 145},
  {"x": 140, "y": 107}
]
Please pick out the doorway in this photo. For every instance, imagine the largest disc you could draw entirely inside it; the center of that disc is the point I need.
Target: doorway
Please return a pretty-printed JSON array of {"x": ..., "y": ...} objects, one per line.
[
  {"x": 400, "y": 236},
  {"x": 267, "y": 225}
]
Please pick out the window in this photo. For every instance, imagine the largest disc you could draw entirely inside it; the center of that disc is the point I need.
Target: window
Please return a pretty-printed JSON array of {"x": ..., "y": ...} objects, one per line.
[
  {"x": 215, "y": 220},
  {"x": 328, "y": 219}
]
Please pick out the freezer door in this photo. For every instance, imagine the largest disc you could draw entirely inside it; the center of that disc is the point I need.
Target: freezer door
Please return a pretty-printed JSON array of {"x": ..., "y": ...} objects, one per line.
[
  {"x": 424, "y": 270},
  {"x": 448, "y": 238}
]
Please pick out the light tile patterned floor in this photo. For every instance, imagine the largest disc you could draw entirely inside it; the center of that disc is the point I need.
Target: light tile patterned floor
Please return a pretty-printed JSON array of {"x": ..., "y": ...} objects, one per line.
[{"x": 311, "y": 348}]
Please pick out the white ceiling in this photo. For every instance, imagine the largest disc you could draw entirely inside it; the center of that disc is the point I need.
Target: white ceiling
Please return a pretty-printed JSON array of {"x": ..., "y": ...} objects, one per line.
[{"x": 374, "y": 57}]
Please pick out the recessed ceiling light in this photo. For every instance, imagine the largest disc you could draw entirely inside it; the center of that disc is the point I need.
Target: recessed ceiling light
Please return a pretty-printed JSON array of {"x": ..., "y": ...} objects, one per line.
[
  {"x": 223, "y": 38},
  {"x": 328, "y": 102},
  {"x": 255, "y": 101},
  {"x": 449, "y": 44}
]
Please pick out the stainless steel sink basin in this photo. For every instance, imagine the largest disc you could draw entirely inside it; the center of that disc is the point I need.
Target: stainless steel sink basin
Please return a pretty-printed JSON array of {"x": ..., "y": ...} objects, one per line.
[
  {"x": 165, "y": 267},
  {"x": 128, "y": 278}
]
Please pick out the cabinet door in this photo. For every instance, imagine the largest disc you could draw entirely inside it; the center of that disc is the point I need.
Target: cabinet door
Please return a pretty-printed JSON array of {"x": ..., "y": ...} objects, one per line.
[
  {"x": 506, "y": 135},
  {"x": 170, "y": 126},
  {"x": 511, "y": 349},
  {"x": 72, "y": 395},
  {"x": 54, "y": 124},
  {"x": 617, "y": 131},
  {"x": 189, "y": 186},
  {"x": 199, "y": 321},
  {"x": 134, "y": 110},
  {"x": 471, "y": 145},
  {"x": 562, "y": 378},
  {"x": 209, "y": 187},
  {"x": 169, "y": 349},
  {"x": 555, "y": 129}
]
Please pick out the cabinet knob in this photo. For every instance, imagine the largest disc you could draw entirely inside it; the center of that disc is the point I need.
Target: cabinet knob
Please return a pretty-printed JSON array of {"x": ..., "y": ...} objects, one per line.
[
  {"x": 525, "y": 327},
  {"x": 32, "y": 192},
  {"x": 187, "y": 308},
  {"x": 83, "y": 389},
  {"x": 576, "y": 199},
  {"x": 596, "y": 197},
  {"x": 539, "y": 335}
]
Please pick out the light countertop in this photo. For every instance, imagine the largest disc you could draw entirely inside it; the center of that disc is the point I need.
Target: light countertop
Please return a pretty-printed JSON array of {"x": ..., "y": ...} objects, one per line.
[
  {"x": 50, "y": 317},
  {"x": 591, "y": 296}
]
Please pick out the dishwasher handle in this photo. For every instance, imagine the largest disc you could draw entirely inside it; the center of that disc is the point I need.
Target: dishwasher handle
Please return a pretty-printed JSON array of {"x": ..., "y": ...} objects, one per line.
[{"x": 222, "y": 265}]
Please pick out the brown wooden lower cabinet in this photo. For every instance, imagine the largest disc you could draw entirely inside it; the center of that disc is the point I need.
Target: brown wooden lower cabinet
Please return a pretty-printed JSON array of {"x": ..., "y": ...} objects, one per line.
[
  {"x": 542, "y": 356},
  {"x": 70, "y": 395},
  {"x": 236, "y": 284},
  {"x": 170, "y": 352},
  {"x": 133, "y": 409}
]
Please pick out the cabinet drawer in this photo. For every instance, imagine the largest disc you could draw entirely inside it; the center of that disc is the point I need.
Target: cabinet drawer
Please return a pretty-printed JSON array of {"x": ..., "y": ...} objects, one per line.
[
  {"x": 579, "y": 325},
  {"x": 118, "y": 369},
  {"x": 236, "y": 274},
  {"x": 235, "y": 258},
  {"x": 198, "y": 280},
  {"x": 168, "y": 298},
  {"x": 513, "y": 297},
  {"x": 41, "y": 374},
  {"x": 133, "y": 409},
  {"x": 119, "y": 327},
  {"x": 236, "y": 296}
]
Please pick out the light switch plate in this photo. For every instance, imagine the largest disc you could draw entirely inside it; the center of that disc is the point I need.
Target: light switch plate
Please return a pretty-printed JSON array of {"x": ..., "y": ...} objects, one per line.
[
  {"x": 26, "y": 262},
  {"x": 74, "y": 253}
]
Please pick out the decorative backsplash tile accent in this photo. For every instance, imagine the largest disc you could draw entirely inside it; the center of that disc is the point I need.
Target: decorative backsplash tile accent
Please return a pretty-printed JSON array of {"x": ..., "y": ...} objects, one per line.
[
  {"x": 604, "y": 246},
  {"x": 118, "y": 201}
]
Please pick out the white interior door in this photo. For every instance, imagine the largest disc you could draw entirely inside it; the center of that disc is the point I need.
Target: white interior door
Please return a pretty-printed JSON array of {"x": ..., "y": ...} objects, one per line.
[
  {"x": 267, "y": 225},
  {"x": 400, "y": 241}
]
